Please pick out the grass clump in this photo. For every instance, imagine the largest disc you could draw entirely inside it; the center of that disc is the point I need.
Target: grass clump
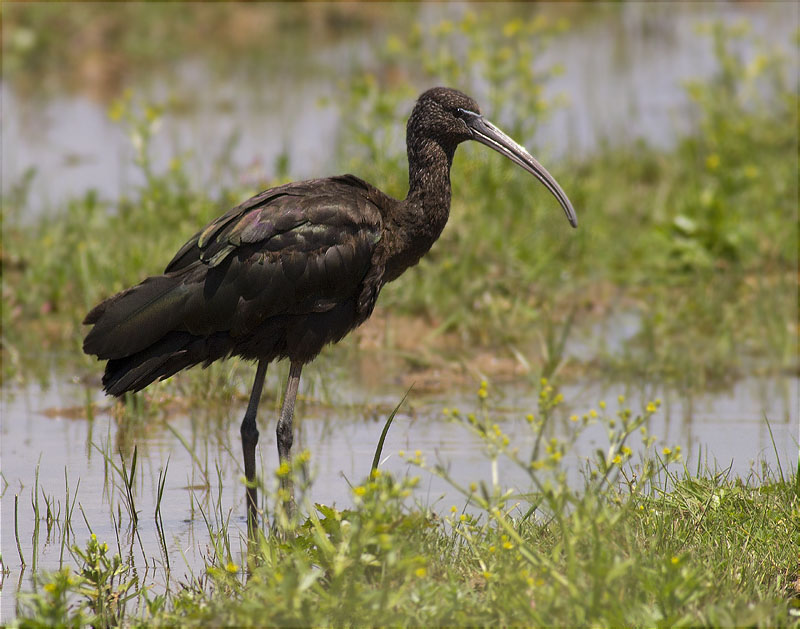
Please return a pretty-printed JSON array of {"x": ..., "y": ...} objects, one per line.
[{"x": 635, "y": 539}]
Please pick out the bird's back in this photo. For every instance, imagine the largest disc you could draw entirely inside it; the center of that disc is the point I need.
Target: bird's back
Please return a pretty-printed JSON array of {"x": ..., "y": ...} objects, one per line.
[{"x": 280, "y": 275}]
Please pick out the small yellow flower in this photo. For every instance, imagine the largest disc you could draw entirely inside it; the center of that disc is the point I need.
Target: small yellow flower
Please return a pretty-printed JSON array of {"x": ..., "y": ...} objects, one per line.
[
  {"x": 602, "y": 404},
  {"x": 283, "y": 469},
  {"x": 394, "y": 44},
  {"x": 621, "y": 399},
  {"x": 417, "y": 453},
  {"x": 151, "y": 113},
  {"x": 444, "y": 27},
  {"x": 116, "y": 111},
  {"x": 573, "y": 418},
  {"x": 529, "y": 418},
  {"x": 617, "y": 460},
  {"x": 592, "y": 413},
  {"x": 421, "y": 572},
  {"x": 232, "y": 567},
  {"x": 512, "y": 28},
  {"x": 360, "y": 490},
  {"x": 626, "y": 450},
  {"x": 482, "y": 394},
  {"x": 50, "y": 587},
  {"x": 651, "y": 408},
  {"x": 666, "y": 451},
  {"x": 473, "y": 487},
  {"x": 492, "y": 549},
  {"x": 757, "y": 65},
  {"x": 508, "y": 545},
  {"x": 453, "y": 509},
  {"x": 674, "y": 561}
]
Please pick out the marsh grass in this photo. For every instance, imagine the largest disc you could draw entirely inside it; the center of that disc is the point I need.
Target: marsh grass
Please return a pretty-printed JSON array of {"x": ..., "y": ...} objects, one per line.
[
  {"x": 698, "y": 242},
  {"x": 635, "y": 539}
]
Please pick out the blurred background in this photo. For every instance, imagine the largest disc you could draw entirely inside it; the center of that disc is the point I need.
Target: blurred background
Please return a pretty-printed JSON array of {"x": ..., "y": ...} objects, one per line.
[{"x": 672, "y": 127}]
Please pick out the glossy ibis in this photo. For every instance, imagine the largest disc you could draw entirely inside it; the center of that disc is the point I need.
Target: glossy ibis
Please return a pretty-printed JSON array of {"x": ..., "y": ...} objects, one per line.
[{"x": 292, "y": 269}]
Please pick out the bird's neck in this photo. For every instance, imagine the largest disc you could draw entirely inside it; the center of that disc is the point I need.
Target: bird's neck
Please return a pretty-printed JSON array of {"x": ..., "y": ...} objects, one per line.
[
  {"x": 421, "y": 217},
  {"x": 429, "y": 178}
]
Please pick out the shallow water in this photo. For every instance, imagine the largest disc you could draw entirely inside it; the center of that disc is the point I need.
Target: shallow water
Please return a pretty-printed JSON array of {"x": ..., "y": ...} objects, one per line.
[
  {"x": 723, "y": 430},
  {"x": 624, "y": 71}
]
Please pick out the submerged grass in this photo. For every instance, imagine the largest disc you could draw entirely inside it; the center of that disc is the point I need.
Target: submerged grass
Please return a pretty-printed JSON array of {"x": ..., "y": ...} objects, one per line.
[{"x": 636, "y": 540}]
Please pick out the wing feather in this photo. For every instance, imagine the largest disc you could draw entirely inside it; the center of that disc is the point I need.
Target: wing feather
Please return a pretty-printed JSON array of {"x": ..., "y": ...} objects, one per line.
[{"x": 304, "y": 247}]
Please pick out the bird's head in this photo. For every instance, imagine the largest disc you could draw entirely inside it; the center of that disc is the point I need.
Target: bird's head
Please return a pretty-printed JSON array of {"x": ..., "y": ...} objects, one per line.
[{"x": 451, "y": 117}]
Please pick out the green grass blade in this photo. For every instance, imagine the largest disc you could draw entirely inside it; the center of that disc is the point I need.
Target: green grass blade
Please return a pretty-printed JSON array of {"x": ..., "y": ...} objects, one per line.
[{"x": 376, "y": 459}]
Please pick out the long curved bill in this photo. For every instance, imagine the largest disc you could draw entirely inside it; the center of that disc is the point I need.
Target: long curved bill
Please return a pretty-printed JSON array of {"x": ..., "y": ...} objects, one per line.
[{"x": 486, "y": 133}]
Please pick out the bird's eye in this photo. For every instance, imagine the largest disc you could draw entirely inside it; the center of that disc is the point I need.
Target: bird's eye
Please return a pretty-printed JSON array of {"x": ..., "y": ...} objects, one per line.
[{"x": 465, "y": 113}]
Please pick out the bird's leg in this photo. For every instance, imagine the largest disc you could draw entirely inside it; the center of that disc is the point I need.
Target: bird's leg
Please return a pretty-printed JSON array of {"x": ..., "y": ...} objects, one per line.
[
  {"x": 249, "y": 432},
  {"x": 285, "y": 436}
]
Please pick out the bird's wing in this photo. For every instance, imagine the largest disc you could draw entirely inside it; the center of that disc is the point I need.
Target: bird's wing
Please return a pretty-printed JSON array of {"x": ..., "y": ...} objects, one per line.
[{"x": 296, "y": 249}]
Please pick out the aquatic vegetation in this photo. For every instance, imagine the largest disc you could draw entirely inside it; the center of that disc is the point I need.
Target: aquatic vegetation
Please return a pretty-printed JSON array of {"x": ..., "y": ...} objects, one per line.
[{"x": 636, "y": 539}]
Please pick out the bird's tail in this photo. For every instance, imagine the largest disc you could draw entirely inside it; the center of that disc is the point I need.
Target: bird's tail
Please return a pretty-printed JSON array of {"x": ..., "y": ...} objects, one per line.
[
  {"x": 160, "y": 360},
  {"x": 139, "y": 332}
]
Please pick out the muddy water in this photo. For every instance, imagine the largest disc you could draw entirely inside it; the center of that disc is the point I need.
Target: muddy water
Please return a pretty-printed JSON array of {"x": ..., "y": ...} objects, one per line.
[{"x": 43, "y": 430}]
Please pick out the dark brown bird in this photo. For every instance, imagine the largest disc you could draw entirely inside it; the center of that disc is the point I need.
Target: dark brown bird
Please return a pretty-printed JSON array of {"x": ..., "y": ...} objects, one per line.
[{"x": 292, "y": 269}]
